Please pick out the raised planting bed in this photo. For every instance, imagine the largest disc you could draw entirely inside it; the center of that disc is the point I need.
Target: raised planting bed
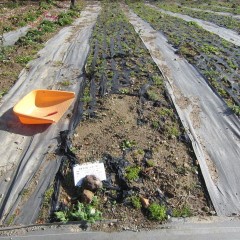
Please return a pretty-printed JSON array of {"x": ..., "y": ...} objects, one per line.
[
  {"x": 216, "y": 59},
  {"x": 14, "y": 58},
  {"x": 129, "y": 124},
  {"x": 220, "y": 20}
]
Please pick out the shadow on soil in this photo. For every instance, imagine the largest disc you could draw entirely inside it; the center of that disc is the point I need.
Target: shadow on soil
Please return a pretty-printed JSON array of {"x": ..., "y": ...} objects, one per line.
[{"x": 10, "y": 123}]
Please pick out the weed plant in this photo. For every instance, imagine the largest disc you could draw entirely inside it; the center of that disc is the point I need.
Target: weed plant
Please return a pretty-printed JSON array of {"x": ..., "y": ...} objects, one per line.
[{"x": 157, "y": 212}]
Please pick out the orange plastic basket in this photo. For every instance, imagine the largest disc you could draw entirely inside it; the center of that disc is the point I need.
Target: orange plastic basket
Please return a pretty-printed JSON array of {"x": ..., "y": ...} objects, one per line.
[{"x": 43, "y": 106}]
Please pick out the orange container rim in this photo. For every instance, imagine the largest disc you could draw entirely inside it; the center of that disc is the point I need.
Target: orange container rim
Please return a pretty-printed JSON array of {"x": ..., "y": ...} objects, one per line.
[{"x": 48, "y": 105}]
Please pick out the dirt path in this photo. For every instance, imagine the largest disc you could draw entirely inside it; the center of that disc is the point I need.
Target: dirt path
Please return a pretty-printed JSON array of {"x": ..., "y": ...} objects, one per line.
[
  {"x": 214, "y": 133},
  {"x": 61, "y": 60},
  {"x": 224, "y": 33}
]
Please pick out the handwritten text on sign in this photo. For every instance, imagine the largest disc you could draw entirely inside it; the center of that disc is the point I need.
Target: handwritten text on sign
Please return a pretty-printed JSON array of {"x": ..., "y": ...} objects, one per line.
[{"x": 81, "y": 171}]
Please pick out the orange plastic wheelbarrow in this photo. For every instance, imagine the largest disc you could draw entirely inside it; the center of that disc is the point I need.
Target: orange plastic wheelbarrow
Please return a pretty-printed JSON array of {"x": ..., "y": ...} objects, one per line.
[{"x": 43, "y": 106}]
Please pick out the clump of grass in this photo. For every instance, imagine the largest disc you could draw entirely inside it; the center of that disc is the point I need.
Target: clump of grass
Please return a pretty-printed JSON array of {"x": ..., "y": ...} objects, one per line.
[
  {"x": 11, "y": 219},
  {"x": 47, "y": 26},
  {"x": 136, "y": 202},
  {"x": 65, "y": 83},
  {"x": 152, "y": 96},
  {"x": 157, "y": 212},
  {"x": 23, "y": 59},
  {"x": 150, "y": 163},
  {"x": 155, "y": 124},
  {"x": 157, "y": 80},
  {"x": 2, "y": 93},
  {"x": 183, "y": 211},
  {"x": 66, "y": 18},
  {"x": 132, "y": 173},
  {"x": 165, "y": 112},
  {"x": 44, "y": 212},
  {"x": 86, "y": 96},
  {"x": 172, "y": 131}
]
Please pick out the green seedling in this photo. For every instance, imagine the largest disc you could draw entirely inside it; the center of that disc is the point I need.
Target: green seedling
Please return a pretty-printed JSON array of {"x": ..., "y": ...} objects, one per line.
[
  {"x": 65, "y": 83},
  {"x": 23, "y": 59},
  {"x": 172, "y": 131},
  {"x": 124, "y": 91},
  {"x": 157, "y": 80},
  {"x": 157, "y": 212},
  {"x": 150, "y": 163},
  {"x": 136, "y": 202},
  {"x": 79, "y": 212},
  {"x": 152, "y": 96},
  {"x": 155, "y": 124},
  {"x": 127, "y": 144},
  {"x": 165, "y": 112},
  {"x": 183, "y": 211},
  {"x": 132, "y": 173}
]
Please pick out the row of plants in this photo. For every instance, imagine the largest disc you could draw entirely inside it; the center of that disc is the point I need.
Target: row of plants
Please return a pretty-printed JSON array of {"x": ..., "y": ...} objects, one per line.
[
  {"x": 216, "y": 6},
  {"x": 220, "y": 20},
  {"x": 23, "y": 17},
  {"x": 215, "y": 58},
  {"x": 120, "y": 68},
  {"x": 25, "y": 49}
]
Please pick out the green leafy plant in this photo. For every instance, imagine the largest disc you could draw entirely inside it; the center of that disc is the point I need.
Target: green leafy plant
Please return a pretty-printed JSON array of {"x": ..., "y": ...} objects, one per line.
[
  {"x": 124, "y": 91},
  {"x": 155, "y": 124},
  {"x": 165, "y": 112},
  {"x": 23, "y": 59},
  {"x": 157, "y": 80},
  {"x": 79, "y": 212},
  {"x": 150, "y": 163},
  {"x": 132, "y": 172},
  {"x": 2, "y": 93},
  {"x": 127, "y": 144},
  {"x": 66, "y": 18},
  {"x": 136, "y": 202},
  {"x": 152, "y": 95},
  {"x": 47, "y": 26},
  {"x": 157, "y": 212},
  {"x": 183, "y": 211},
  {"x": 65, "y": 83},
  {"x": 172, "y": 130}
]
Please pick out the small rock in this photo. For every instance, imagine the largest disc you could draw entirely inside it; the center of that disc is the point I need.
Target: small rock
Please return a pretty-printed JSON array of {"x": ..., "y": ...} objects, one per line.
[
  {"x": 144, "y": 201},
  {"x": 212, "y": 213},
  {"x": 87, "y": 196},
  {"x": 92, "y": 183},
  {"x": 205, "y": 209},
  {"x": 186, "y": 165},
  {"x": 7, "y": 179}
]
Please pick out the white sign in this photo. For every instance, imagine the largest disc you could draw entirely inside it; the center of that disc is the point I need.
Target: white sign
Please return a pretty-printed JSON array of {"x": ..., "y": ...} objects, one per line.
[{"x": 81, "y": 171}]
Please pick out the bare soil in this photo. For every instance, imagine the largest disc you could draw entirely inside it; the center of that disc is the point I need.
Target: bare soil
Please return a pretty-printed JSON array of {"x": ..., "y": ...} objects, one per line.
[{"x": 172, "y": 177}]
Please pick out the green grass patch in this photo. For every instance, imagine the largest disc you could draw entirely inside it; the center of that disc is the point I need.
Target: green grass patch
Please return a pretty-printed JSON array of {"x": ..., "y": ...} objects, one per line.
[
  {"x": 157, "y": 212},
  {"x": 132, "y": 172}
]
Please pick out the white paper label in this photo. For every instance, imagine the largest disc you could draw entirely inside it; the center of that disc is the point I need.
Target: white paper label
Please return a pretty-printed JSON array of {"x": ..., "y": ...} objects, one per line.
[{"x": 81, "y": 171}]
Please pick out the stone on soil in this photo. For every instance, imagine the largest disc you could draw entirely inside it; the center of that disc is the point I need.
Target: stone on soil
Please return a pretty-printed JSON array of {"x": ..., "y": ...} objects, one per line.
[
  {"x": 87, "y": 196},
  {"x": 92, "y": 183},
  {"x": 144, "y": 201}
]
